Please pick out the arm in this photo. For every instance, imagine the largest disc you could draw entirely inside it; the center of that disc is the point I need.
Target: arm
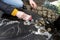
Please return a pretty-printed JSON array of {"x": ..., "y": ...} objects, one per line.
[
  {"x": 8, "y": 9},
  {"x": 14, "y": 12}
]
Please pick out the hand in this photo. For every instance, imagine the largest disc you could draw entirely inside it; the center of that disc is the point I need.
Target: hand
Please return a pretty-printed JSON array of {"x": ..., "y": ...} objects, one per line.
[
  {"x": 24, "y": 16},
  {"x": 33, "y": 4}
]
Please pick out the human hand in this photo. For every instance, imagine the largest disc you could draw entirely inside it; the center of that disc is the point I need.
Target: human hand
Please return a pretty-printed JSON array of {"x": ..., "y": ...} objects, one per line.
[
  {"x": 33, "y": 4},
  {"x": 24, "y": 16}
]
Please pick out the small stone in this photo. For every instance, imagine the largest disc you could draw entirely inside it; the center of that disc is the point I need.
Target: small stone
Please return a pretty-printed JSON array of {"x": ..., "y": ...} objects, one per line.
[
  {"x": 39, "y": 8},
  {"x": 49, "y": 16},
  {"x": 57, "y": 16},
  {"x": 42, "y": 19},
  {"x": 40, "y": 13},
  {"x": 49, "y": 13},
  {"x": 53, "y": 17},
  {"x": 53, "y": 14},
  {"x": 44, "y": 8},
  {"x": 49, "y": 29},
  {"x": 42, "y": 31},
  {"x": 44, "y": 13}
]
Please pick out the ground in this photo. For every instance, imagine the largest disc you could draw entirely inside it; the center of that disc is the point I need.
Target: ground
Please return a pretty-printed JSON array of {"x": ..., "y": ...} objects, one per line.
[{"x": 48, "y": 14}]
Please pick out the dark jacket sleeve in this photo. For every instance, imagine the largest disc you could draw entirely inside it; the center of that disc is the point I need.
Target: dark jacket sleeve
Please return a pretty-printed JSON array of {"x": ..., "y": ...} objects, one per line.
[{"x": 7, "y": 8}]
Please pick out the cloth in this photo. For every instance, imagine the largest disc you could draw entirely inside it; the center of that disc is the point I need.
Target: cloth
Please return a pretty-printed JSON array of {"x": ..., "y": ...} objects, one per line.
[
  {"x": 15, "y": 3},
  {"x": 7, "y": 9}
]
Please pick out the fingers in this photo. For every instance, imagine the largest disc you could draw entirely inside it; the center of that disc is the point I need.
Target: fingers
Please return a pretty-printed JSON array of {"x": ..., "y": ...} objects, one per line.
[
  {"x": 24, "y": 16},
  {"x": 33, "y": 5},
  {"x": 27, "y": 17}
]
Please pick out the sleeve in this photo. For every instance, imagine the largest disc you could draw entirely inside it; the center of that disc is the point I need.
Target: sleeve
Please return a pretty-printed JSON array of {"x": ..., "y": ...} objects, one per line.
[
  {"x": 26, "y": 1},
  {"x": 8, "y": 9}
]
